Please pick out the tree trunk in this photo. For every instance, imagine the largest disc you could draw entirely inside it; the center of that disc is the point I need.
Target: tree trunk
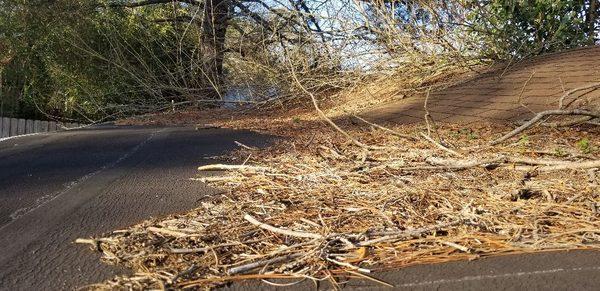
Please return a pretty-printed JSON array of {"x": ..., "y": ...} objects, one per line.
[
  {"x": 214, "y": 25},
  {"x": 592, "y": 18}
]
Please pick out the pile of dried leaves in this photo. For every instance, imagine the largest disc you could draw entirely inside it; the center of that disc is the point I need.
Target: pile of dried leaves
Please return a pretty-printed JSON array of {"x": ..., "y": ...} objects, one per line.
[{"x": 317, "y": 206}]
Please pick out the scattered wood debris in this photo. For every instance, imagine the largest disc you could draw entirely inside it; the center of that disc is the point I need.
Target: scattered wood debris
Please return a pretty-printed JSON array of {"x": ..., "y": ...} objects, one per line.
[{"x": 316, "y": 206}]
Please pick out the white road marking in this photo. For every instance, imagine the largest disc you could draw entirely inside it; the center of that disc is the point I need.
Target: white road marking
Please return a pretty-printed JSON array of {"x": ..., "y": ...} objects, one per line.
[
  {"x": 49, "y": 197},
  {"x": 506, "y": 275},
  {"x": 22, "y": 135}
]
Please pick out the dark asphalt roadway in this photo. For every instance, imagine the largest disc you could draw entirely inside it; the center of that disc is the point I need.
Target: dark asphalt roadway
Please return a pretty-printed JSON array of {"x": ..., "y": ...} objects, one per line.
[{"x": 55, "y": 188}]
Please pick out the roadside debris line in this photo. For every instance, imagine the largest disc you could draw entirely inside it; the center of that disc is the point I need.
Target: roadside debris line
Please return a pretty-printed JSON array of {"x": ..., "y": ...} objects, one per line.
[{"x": 317, "y": 206}]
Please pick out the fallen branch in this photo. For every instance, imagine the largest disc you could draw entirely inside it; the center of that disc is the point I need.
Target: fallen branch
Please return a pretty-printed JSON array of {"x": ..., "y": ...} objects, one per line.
[
  {"x": 439, "y": 145},
  {"x": 561, "y": 100},
  {"x": 520, "y": 97},
  {"x": 213, "y": 179},
  {"x": 569, "y": 123},
  {"x": 205, "y": 249},
  {"x": 86, "y": 241},
  {"x": 428, "y": 116},
  {"x": 188, "y": 271},
  {"x": 348, "y": 265},
  {"x": 195, "y": 283},
  {"x": 167, "y": 231},
  {"x": 395, "y": 133},
  {"x": 565, "y": 166},
  {"x": 463, "y": 164},
  {"x": 539, "y": 117},
  {"x": 322, "y": 114},
  {"x": 540, "y": 165},
  {"x": 271, "y": 228},
  {"x": 222, "y": 167},
  {"x": 442, "y": 164},
  {"x": 456, "y": 246},
  {"x": 252, "y": 266},
  {"x": 407, "y": 234},
  {"x": 529, "y": 161}
]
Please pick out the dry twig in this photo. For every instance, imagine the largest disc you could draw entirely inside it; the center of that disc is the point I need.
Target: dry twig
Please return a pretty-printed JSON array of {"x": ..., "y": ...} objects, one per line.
[
  {"x": 539, "y": 117},
  {"x": 262, "y": 225}
]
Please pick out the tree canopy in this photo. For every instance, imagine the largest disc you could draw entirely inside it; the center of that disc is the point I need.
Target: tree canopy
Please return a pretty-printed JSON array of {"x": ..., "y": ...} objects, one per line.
[{"x": 93, "y": 60}]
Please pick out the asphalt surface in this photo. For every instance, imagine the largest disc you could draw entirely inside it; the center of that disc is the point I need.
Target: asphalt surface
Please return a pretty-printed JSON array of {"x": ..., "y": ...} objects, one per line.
[
  {"x": 55, "y": 188},
  {"x": 566, "y": 270}
]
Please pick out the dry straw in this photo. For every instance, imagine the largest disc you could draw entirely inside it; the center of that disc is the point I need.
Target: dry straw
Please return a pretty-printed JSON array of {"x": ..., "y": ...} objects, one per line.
[{"x": 317, "y": 207}]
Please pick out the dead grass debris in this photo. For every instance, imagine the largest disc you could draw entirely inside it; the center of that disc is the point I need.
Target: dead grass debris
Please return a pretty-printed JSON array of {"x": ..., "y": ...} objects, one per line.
[{"x": 315, "y": 207}]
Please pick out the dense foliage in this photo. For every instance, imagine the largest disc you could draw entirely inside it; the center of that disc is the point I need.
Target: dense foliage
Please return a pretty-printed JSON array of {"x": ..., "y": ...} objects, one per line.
[
  {"x": 75, "y": 59},
  {"x": 519, "y": 28}
]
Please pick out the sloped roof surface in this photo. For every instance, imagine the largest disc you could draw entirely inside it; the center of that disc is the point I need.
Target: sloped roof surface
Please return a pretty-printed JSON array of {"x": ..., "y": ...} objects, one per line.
[{"x": 508, "y": 93}]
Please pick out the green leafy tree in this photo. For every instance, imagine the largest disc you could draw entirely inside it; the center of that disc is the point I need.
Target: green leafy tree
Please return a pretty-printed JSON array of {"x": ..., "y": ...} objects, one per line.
[{"x": 518, "y": 28}]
